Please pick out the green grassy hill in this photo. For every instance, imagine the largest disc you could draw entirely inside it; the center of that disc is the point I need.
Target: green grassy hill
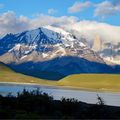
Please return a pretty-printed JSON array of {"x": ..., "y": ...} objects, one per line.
[
  {"x": 99, "y": 82},
  {"x": 7, "y": 75},
  {"x": 105, "y": 82}
]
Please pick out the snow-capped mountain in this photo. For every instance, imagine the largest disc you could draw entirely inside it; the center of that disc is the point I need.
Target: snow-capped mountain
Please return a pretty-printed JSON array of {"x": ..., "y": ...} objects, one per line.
[
  {"x": 42, "y": 44},
  {"x": 50, "y": 53}
]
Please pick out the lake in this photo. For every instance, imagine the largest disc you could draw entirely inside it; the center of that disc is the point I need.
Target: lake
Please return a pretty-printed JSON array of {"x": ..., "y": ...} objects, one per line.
[{"x": 112, "y": 99}]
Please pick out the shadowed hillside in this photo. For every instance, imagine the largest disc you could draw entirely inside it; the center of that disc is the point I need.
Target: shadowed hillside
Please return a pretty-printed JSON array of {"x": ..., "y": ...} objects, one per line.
[
  {"x": 8, "y": 75},
  {"x": 60, "y": 67}
]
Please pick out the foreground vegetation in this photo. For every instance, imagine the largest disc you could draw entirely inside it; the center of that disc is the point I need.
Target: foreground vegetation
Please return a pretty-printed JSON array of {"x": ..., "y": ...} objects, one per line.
[
  {"x": 36, "y": 104},
  {"x": 96, "y": 82}
]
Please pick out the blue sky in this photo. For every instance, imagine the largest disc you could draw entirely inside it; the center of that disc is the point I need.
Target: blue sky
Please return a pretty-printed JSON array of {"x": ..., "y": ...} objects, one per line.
[{"x": 57, "y": 8}]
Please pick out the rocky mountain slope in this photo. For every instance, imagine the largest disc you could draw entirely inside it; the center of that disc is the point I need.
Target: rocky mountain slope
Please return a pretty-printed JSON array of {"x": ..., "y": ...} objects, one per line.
[{"x": 43, "y": 44}]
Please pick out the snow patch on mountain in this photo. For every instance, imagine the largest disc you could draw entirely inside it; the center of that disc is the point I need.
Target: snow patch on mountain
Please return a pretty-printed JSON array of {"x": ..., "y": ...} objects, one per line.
[
  {"x": 44, "y": 55},
  {"x": 32, "y": 35}
]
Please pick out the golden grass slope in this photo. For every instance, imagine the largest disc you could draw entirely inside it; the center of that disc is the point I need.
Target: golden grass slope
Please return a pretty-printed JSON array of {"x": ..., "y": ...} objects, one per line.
[
  {"x": 7, "y": 75},
  {"x": 104, "y": 82}
]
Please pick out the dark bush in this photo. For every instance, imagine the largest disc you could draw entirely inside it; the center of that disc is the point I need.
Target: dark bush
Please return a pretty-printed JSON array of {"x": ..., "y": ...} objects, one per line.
[{"x": 39, "y": 105}]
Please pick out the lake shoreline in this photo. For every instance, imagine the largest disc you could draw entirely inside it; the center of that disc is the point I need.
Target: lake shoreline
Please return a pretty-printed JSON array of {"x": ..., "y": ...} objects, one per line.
[
  {"x": 58, "y": 92},
  {"x": 62, "y": 87}
]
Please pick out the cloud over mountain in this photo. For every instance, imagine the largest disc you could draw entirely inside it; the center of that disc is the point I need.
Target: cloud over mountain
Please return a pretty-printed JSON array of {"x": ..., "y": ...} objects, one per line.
[
  {"x": 90, "y": 29},
  {"x": 10, "y": 23}
]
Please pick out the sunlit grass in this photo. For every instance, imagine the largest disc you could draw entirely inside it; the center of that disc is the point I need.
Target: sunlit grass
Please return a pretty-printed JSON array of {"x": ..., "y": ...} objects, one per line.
[
  {"x": 102, "y": 82},
  {"x": 7, "y": 75},
  {"x": 93, "y": 81}
]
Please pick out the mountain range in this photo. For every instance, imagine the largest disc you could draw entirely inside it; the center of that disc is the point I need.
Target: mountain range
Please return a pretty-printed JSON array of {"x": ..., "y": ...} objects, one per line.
[{"x": 53, "y": 53}]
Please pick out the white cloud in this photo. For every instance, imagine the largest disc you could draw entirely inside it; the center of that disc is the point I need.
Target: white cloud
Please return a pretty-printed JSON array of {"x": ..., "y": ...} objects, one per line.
[
  {"x": 43, "y": 20},
  {"x": 107, "y": 8},
  {"x": 10, "y": 23},
  {"x": 79, "y": 6},
  {"x": 1, "y": 5},
  {"x": 116, "y": 1},
  {"x": 52, "y": 11},
  {"x": 90, "y": 29}
]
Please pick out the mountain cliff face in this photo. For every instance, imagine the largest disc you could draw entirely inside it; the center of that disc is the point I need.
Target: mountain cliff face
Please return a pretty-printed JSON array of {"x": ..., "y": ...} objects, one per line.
[
  {"x": 97, "y": 44},
  {"x": 50, "y": 53},
  {"x": 109, "y": 51}
]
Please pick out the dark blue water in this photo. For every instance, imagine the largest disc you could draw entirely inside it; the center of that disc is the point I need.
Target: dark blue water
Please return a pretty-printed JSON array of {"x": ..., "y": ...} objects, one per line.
[{"x": 57, "y": 93}]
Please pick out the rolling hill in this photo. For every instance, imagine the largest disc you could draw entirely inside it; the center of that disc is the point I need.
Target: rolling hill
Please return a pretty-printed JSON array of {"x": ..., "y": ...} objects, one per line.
[
  {"x": 8, "y": 75},
  {"x": 94, "y": 82},
  {"x": 102, "y": 82}
]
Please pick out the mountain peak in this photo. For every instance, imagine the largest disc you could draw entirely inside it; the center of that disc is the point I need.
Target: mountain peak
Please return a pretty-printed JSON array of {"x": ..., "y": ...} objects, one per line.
[{"x": 44, "y": 43}]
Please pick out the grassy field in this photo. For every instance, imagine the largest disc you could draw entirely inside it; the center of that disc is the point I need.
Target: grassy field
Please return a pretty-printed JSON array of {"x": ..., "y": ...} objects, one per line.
[
  {"x": 103, "y": 82},
  {"x": 7, "y": 75},
  {"x": 97, "y": 82}
]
